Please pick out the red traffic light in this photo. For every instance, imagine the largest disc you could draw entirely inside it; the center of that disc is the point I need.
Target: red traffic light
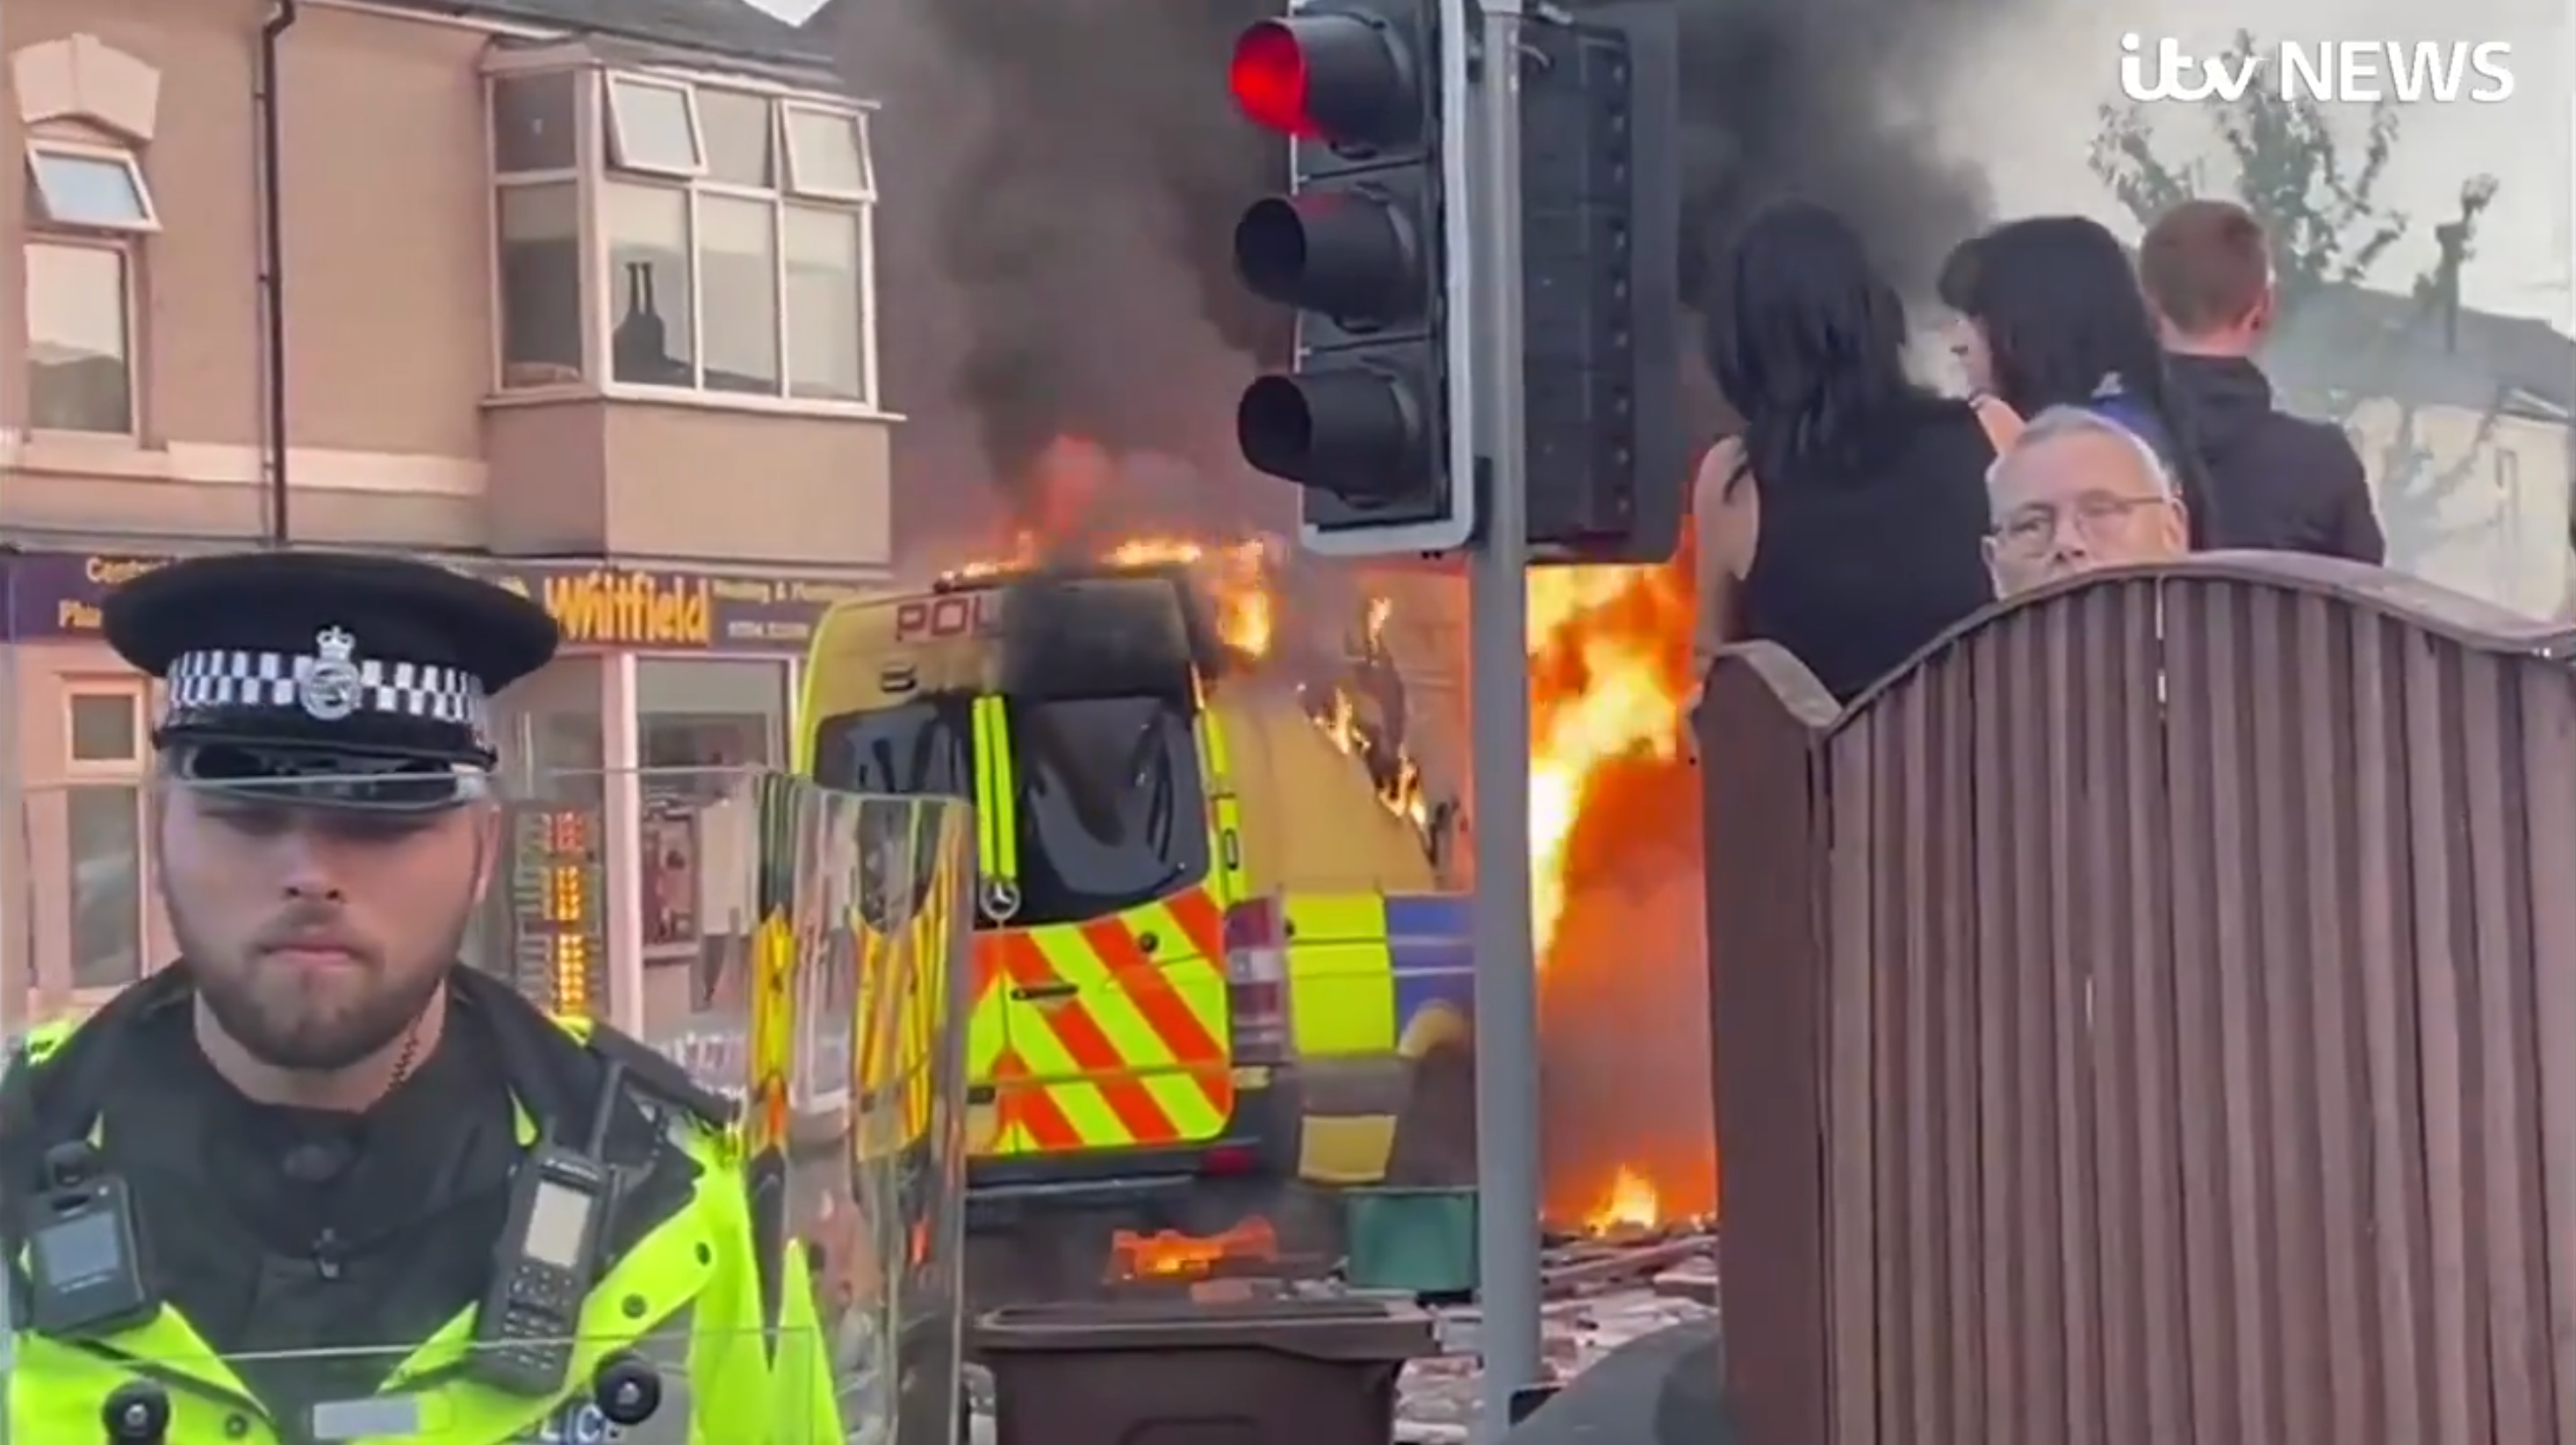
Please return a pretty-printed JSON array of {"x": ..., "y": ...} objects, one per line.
[
  {"x": 1332, "y": 76},
  {"x": 1268, "y": 79}
]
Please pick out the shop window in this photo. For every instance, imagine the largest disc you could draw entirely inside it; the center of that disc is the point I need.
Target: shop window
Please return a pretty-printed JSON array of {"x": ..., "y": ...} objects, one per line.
[
  {"x": 547, "y": 729},
  {"x": 700, "y": 724},
  {"x": 102, "y": 821},
  {"x": 709, "y": 715}
]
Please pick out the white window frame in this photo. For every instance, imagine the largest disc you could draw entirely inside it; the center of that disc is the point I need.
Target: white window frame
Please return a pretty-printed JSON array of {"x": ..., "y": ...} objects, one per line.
[
  {"x": 137, "y": 698},
  {"x": 793, "y": 184},
  {"x": 127, "y": 258},
  {"x": 134, "y": 773},
  {"x": 617, "y": 149},
  {"x": 779, "y": 196},
  {"x": 38, "y": 147},
  {"x": 581, "y": 175}
]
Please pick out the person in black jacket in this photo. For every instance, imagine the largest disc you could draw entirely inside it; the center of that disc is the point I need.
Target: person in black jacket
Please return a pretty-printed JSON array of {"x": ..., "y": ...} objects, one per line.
[{"x": 2282, "y": 482}]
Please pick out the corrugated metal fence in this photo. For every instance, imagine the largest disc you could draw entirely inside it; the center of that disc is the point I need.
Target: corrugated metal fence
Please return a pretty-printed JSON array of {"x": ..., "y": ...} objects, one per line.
[{"x": 2150, "y": 1019}]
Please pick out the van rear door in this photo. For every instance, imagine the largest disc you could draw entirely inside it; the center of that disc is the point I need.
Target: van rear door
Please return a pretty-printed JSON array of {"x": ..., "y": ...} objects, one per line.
[{"x": 1114, "y": 964}]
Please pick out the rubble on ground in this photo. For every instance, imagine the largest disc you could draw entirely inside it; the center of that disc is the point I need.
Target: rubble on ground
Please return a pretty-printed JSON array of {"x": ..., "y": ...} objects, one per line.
[{"x": 1600, "y": 1294}]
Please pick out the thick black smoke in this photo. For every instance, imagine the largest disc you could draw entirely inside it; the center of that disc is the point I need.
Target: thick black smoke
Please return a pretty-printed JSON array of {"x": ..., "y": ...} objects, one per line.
[
  {"x": 1830, "y": 100},
  {"x": 1061, "y": 178}
]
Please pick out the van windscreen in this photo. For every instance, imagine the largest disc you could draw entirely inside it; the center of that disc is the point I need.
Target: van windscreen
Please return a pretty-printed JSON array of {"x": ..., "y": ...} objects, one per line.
[
  {"x": 923, "y": 748},
  {"x": 1111, "y": 813}
]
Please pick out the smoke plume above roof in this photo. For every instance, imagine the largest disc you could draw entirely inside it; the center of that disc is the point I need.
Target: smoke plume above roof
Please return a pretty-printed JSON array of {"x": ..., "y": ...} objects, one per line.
[{"x": 1061, "y": 179}]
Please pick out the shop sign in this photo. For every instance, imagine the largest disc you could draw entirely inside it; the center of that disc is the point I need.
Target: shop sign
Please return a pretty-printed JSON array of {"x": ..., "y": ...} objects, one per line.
[
  {"x": 57, "y": 595},
  {"x": 661, "y": 608}
]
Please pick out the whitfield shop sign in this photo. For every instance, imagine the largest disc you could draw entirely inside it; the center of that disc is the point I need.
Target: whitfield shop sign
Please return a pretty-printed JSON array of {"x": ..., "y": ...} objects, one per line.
[{"x": 56, "y": 595}]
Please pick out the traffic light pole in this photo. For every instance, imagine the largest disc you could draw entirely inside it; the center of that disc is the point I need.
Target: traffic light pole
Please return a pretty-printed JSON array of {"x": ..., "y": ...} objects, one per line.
[{"x": 1507, "y": 1098}]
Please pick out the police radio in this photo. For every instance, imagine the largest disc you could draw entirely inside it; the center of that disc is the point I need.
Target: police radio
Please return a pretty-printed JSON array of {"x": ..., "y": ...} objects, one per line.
[
  {"x": 545, "y": 1262},
  {"x": 85, "y": 1271}
]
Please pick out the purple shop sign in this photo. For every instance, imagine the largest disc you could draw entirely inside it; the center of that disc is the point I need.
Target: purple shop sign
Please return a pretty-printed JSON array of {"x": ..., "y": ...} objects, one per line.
[{"x": 55, "y": 595}]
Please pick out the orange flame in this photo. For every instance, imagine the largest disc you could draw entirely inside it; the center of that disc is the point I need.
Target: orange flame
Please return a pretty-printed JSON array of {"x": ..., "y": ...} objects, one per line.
[
  {"x": 1071, "y": 480},
  {"x": 1362, "y": 734},
  {"x": 1632, "y": 1203},
  {"x": 1236, "y": 577},
  {"x": 1614, "y": 877},
  {"x": 1173, "y": 1255},
  {"x": 1609, "y": 658}
]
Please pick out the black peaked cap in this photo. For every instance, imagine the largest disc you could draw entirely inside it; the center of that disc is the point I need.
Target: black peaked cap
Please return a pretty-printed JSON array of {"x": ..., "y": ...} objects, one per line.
[{"x": 311, "y": 657}]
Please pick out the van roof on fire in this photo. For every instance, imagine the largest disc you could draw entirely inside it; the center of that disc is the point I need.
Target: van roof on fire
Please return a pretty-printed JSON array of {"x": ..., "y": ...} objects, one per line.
[{"x": 1084, "y": 630}]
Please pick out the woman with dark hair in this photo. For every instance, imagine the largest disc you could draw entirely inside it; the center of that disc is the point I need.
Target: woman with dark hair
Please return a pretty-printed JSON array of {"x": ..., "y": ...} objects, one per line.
[
  {"x": 2051, "y": 314},
  {"x": 1845, "y": 520}
]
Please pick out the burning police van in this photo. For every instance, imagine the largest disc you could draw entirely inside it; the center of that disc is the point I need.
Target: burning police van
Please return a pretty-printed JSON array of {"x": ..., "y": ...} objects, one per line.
[{"x": 1215, "y": 939}]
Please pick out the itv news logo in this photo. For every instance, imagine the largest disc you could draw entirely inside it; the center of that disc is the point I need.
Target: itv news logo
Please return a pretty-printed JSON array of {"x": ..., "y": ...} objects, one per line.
[{"x": 2477, "y": 72}]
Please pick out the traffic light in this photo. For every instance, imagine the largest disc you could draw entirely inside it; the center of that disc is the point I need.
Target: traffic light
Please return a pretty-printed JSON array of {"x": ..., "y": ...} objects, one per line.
[
  {"x": 1362, "y": 420},
  {"x": 1601, "y": 303}
]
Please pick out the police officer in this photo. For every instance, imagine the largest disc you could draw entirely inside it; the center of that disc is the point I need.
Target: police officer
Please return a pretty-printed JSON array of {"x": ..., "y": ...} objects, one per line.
[{"x": 314, "y": 1181}]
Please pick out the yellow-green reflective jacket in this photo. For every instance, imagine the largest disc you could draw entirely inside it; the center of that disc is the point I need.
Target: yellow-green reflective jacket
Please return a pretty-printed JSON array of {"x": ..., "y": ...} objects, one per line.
[{"x": 687, "y": 1297}]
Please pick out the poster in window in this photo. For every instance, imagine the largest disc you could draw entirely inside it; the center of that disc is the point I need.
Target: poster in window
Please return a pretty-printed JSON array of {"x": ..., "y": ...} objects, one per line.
[{"x": 670, "y": 882}]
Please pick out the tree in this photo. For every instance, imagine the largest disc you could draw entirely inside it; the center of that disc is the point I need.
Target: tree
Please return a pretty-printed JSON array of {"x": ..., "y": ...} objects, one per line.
[{"x": 2317, "y": 195}]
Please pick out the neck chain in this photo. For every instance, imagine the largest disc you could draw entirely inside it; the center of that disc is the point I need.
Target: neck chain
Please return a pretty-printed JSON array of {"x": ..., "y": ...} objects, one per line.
[{"x": 405, "y": 1061}]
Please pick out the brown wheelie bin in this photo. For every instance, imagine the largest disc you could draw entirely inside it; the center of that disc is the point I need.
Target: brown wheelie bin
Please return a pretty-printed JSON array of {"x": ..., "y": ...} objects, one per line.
[{"x": 1260, "y": 1372}]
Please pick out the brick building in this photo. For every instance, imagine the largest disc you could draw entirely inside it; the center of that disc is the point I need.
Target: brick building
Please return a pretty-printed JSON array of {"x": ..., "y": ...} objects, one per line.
[{"x": 575, "y": 293}]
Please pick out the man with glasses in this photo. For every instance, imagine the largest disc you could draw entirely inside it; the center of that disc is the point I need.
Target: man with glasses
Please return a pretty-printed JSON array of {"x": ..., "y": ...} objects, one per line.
[
  {"x": 315, "y": 1180},
  {"x": 2077, "y": 491}
]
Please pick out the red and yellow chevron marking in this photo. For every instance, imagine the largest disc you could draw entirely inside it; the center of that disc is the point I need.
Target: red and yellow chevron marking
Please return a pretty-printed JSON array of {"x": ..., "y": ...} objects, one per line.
[
  {"x": 1030, "y": 1120},
  {"x": 1134, "y": 1053},
  {"x": 772, "y": 1030}
]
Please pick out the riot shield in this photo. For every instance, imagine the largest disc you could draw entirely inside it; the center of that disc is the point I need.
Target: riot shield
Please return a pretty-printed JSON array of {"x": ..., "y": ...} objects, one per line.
[
  {"x": 859, "y": 1106},
  {"x": 677, "y": 1382},
  {"x": 810, "y": 983},
  {"x": 823, "y": 930}
]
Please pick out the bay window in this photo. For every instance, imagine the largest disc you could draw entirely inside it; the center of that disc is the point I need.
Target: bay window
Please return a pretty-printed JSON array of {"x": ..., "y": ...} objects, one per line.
[{"x": 682, "y": 235}]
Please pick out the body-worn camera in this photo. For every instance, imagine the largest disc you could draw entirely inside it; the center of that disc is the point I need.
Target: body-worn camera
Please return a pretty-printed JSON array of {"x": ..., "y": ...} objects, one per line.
[{"x": 85, "y": 1270}]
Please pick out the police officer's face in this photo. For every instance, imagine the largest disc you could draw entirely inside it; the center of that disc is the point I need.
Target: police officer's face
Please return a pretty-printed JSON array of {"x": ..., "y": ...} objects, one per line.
[{"x": 317, "y": 936}]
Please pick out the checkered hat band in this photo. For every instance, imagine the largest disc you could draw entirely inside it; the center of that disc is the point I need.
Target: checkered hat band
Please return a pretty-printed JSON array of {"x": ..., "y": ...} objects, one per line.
[{"x": 205, "y": 681}]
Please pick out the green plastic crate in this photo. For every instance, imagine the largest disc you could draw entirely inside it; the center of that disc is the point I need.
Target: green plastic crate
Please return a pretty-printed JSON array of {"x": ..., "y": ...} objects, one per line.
[{"x": 1419, "y": 1240}]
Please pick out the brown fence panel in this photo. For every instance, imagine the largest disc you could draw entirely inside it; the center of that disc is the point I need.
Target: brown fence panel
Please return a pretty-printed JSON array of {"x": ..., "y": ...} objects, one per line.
[{"x": 2150, "y": 1017}]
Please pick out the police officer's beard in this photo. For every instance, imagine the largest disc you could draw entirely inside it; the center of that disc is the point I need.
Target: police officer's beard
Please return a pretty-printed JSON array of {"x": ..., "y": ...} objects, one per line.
[{"x": 268, "y": 1011}]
